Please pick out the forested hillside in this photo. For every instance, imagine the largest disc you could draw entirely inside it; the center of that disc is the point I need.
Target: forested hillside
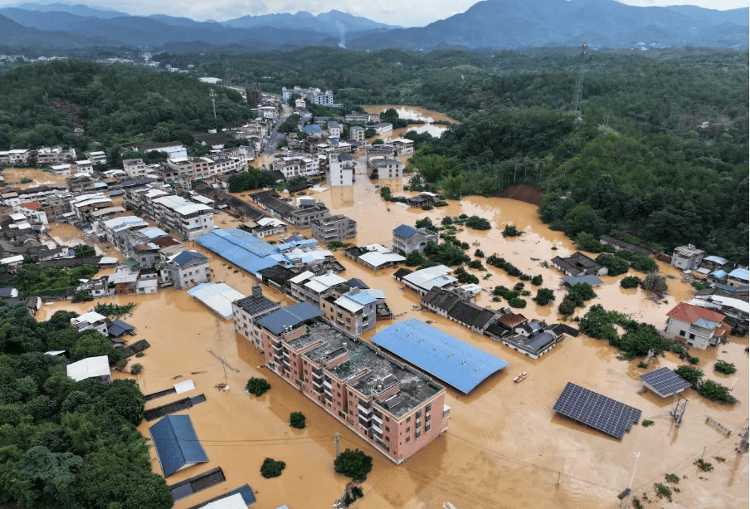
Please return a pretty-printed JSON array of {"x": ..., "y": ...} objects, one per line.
[
  {"x": 64, "y": 443},
  {"x": 42, "y": 103}
]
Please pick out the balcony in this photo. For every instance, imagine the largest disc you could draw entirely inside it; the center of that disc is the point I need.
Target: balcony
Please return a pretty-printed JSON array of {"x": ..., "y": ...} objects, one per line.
[
  {"x": 376, "y": 429},
  {"x": 327, "y": 385},
  {"x": 377, "y": 419},
  {"x": 364, "y": 410}
]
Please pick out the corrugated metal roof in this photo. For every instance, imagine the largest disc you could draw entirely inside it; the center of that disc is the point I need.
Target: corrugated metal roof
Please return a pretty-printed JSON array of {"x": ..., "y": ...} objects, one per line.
[
  {"x": 152, "y": 232},
  {"x": 289, "y": 317},
  {"x": 217, "y": 296},
  {"x": 176, "y": 443},
  {"x": 589, "y": 280},
  {"x": 716, "y": 259},
  {"x": 88, "y": 368},
  {"x": 405, "y": 231},
  {"x": 362, "y": 297},
  {"x": 376, "y": 259},
  {"x": 241, "y": 248},
  {"x": 739, "y": 274},
  {"x": 439, "y": 354},
  {"x": 349, "y": 304}
]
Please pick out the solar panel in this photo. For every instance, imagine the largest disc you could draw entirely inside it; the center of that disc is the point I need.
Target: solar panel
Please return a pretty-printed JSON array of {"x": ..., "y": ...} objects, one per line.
[
  {"x": 665, "y": 382},
  {"x": 596, "y": 410}
]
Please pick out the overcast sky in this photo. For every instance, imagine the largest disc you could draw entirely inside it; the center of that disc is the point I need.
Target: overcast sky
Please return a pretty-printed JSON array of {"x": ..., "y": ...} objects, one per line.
[{"x": 394, "y": 12}]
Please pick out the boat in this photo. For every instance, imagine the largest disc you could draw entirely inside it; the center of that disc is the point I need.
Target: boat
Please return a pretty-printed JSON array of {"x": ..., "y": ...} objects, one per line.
[{"x": 520, "y": 378}]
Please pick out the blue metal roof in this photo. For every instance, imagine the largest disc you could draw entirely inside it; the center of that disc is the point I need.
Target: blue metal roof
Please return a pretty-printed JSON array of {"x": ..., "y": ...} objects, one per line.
[
  {"x": 241, "y": 248},
  {"x": 312, "y": 129},
  {"x": 739, "y": 274},
  {"x": 289, "y": 317},
  {"x": 718, "y": 274},
  {"x": 725, "y": 287},
  {"x": 705, "y": 324},
  {"x": 361, "y": 298},
  {"x": 405, "y": 231},
  {"x": 176, "y": 443},
  {"x": 357, "y": 283},
  {"x": 451, "y": 360},
  {"x": 152, "y": 232}
]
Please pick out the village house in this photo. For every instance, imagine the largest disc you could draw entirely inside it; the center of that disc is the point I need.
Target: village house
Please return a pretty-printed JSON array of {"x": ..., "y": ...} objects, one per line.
[
  {"x": 189, "y": 268},
  {"x": 697, "y": 326},
  {"x": 334, "y": 228},
  {"x": 307, "y": 287},
  {"x": 578, "y": 264},
  {"x": 334, "y": 130},
  {"x": 16, "y": 157},
  {"x": 292, "y": 167},
  {"x": 738, "y": 277},
  {"x": 687, "y": 257},
  {"x": 128, "y": 280},
  {"x": 32, "y": 211},
  {"x": 61, "y": 169},
  {"x": 84, "y": 166},
  {"x": 403, "y": 146},
  {"x": 245, "y": 311},
  {"x": 50, "y": 156},
  {"x": 380, "y": 167},
  {"x": 90, "y": 321},
  {"x": 408, "y": 238},
  {"x": 424, "y": 280},
  {"x": 341, "y": 170},
  {"x": 374, "y": 256},
  {"x": 385, "y": 402},
  {"x": 381, "y": 128},
  {"x": 97, "y": 158},
  {"x": 356, "y": 133},
  {"x": 621, "y": 244},
  {"x": 357, "y": 310}
]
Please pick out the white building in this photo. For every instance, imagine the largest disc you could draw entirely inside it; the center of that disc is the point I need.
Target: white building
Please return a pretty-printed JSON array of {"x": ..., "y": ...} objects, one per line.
[
  {"x": 381, "y": 128},
  {"x": 32, "y": 211},
  {"x": 188, "y": 219},
  {"x": 247, "y": 310},
  {"x": 91, "y": 367},
  {"x": 292, "y": 167},
  {"x": 55, "y": 155},
  {"x": 311, "y": 95},
  {"x": 135, "y": 168},
  {"x": 424, "y": 280},
  {"x": 90, "y": 321},
  {"x": 188, "y": 268},
  {"x": 98, "y": 157},
  {"x": 357, "y": 133},
  {"x": 61, "y": 169},
  {"x": 403, "y": 146},
  {"x": 334, "y": 130},
  {"x": 383, "y": 168},
  {"x": 341, "y": 168},
  {"x": 687, "y": 257},
  {"x": 698, "y": 326}
]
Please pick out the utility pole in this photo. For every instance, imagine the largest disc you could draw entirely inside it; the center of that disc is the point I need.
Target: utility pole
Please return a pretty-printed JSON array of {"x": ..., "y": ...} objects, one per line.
[
  {"x": 637, "y": 455},
  {"x": 336, "y": 441},
  {"x": 743, "y": 443},
  {"x": 213, "y": 101}
]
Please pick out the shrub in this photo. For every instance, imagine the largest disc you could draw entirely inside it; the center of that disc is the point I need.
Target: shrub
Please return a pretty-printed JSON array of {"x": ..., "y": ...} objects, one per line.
[
  {"x": 690, "y": 374},
  {"x": 642, "y": 365},
  {"x": 716, "y": 392},
  {"x": 654, "y": 284},
  {"x": 297, "y": 420},
  {"x": 511, "y": 231},
  {"x": 271, "y": 468},
  {"x": 478, "y": 223},
  {"x": 82, "y": 296},
  {"x": 544, "y": 296},
  {"x": 476, "y": 264},
  {"x": 662, "y": 491},
  {"x": 440, "y": 203},
  {"x": 724, "y": 367},
  {"x": 703, "y": 465},
  {"x": 671, "y": 478},
  {"x": 579, "y": 293},
  {"x": 427, "y": 207},
  {"x": 136, "y": 368},
  {"x": 355, "y": 464},
  {"x": 615, "y": 265},
  {"x": 678, "y": 349},
  {"x": 646, "y": 423},
  {"x": 537, "y": 280},
  {"x": 426, "y": 223},
  {"x": 517, "y": 303},
  {"x": 140, "y": 354},
  {"x": 385, "y": 193},
  {"x": 630, "y": 282},
  {"x": 479, "y": 253},
  {"x": 694, "y": 360},
  {"x": 518, "y": 286},
  {"x": 258, "y": 386},
  {"x": 465, "y": 277},
  {"x": 447, "y": 221}
]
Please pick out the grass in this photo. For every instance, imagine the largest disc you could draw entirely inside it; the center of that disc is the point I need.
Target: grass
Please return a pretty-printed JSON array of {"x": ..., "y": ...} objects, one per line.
[
  {"x": 646, "y": 423},
  {"x": 642, "y": 365}
]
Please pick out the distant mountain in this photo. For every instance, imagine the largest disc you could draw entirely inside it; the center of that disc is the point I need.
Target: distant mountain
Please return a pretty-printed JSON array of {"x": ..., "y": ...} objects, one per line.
[
  {"x": 736, "y": 16},
  {"x": 15, "y": 35},
  {"x": 603, "y": 23},
  {"x": 77, "y": 9},
  {"x": 333, "y": 23}
]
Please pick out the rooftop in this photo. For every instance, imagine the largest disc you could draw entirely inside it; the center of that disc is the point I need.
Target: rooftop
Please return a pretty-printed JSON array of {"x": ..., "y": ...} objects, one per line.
[
  {"x": 290, "y": 316},
  {"x": 217, "y": 296},
  {"x": 696, "y": 315},
  {"x": 443, "y": 356},
  {"x": 256, "y": 305},
  {"x": 89, "y": 368}
]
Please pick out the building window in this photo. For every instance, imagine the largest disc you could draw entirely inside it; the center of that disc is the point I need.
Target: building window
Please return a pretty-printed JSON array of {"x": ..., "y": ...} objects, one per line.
[
  {"x": 387, "y": 428},
  {"x": 692, "y": 336},
  {"x": 408, "y": 419},
  {"x": 387, "y": 439},
  {"x": 682, "y": 333},
  {"x": 408, "y": 429},
  {"x": 408, "y": 439}
]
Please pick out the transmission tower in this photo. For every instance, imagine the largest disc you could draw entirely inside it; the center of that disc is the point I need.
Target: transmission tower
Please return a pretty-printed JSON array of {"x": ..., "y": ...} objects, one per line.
[
  {"x": 575, "y": 106},
  {"x": 679, "y": 409},
  {"x": 213, "y": 101}
]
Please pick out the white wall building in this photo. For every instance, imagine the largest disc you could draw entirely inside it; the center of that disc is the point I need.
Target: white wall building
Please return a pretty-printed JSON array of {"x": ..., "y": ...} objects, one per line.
[{"x": 342, "y": 168}]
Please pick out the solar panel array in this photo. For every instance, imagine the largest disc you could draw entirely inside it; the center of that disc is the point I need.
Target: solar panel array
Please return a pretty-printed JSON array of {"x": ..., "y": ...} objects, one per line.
[
  {"x": 665, "y": 381},
  {"x": 595, "y": 410}
]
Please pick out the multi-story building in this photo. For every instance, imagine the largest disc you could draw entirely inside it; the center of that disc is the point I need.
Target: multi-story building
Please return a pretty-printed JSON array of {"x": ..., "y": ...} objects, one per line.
[
  {"x": 357, "y": 133},
  {"x": 355, "y": 311},
  {"x": 98, "y": 157},
  {"x": 403, "y": 146},
  {"x": 188, "y": 219},
  {"x": 117, "y": 229},
  {"x": 390, "y": 405},
  {"x": 49, "y": 156},
  {"x": 341, "y": 169},
  {"x": 47, "y": 195},
  {"x": 362, "y": 117},
  {"x": 292, "y": 167},
  {"x": 33, "y": 211},
  {"x": 16, "y": 157},
  {"x": 381, "y": 127},
  {"x": 697, "y": 326},
  {"x": 246, "y": 311},
  {"x": 84, "y": 205},
  {"x": 90, "y": 321},
  {"x": 407, "y": 239},
  {"x": 334, "y": 130},
  {"x": 338, "y": 227},
  {"x": 311, "y": 95},
  {"x": 84, "y": 166},
  {"x": 189, "y": 268},
  {"x": 307, "y": 287},
  {"x": 687, "y": 257},
  {"x": 380, "y": 167},
  {"x": 135, "y": 168}
]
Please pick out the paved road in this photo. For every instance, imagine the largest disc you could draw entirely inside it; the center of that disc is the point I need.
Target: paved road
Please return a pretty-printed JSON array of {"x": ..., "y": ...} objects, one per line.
[{"x": 275, "y": 137}]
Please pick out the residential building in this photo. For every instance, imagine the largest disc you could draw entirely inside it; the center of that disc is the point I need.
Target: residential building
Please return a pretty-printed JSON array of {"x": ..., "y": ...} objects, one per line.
[
  {"x": 738, "y": 277},
  {"x": 362, "y": 117},
  {"x": 450, "y": 304},
  {"x": 202, "y": 167},
  {"x": 188, "y": 268},
  {"x": 387, "y": 403},
  {"x": 356, "y": 310},
  {"x": 407, "y": 239},
  {"x": 578, "y": 264},
  {"x": 357, "y": 133},
  {"x": 383, "y": 168},
  {"x": 338, "y": 227},
  {"x": 300, "y": 216},
  {"x": 187, "y": 219},
  {"x": 306, "y": 214},
  {"x": 311, "y": 95},
  {"x": 128, "y": 280},
  {"x": 697, "y": 326},
  {"x": 374, "y": 256},
  {"x": 86, "y": 204},
  {"x": 84, "y": 166},
  {"x": 292, "y": 167},
  {"x": 247, "y": 310},
  {"x": 61, "y": 169},
  {"x": 268, "y": 226},
  {"x": 159, "y": 147},
  {"x": 135, "y": 168},
  {"x": 16, "y": 157},
  {"x": 49, "y": 156},
  {"x": 307, "y": 287},
  {"x": 97, "y": 158},
  {"x": 381, "y": 128},
  {"x": 90, "y": 321},
  {"x": 116, "y": 230},
  {"x": 687, "y": 257},
  {"x": 403, "y": 146},
  {"x": 334, "y": 130},
  {"x": 33, "y": 212},
  {"x": 341, "y": 169},
  {"x": 90, "y": 367},
  {"x": 424, "y": 280}
]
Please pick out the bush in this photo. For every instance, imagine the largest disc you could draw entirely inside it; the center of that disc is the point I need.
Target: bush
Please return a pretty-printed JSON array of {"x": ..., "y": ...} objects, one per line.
[
  {"x": 271, "y": 468},
  {"x": 140, "y": 354},
  {"x": 82, "y": 296},
  {"x": 671, "y": 478},
  {"x": 615, "y": 266},
  {"x": 297, "y": 420},
  {"x": 587, "y": 242},
  {"x": 567, "y": 307},
  {"x": 477, "y": 223},
  {"x": 385, "y": 193},
  {"x": 716, "y": 392},
  {"x": 630, "y": 282},
  {"x": 511, "y": 231},
  {"x": 544, "y": 296},
  {"x": 690, "y": 374},
  {"x": 476, "y": 264},
  {"x": 136, "y": 368},
  {"x": 694, "y": 360},
  {"x": 517, "y": 303},
  {"x": 465, "y": 277},
  {"x": 642, "y": 365},
  {"x": 426, "y": 223},
  {"x": 537, "y": 280},
  {"x": 355, "y": 464},
  {"x": 654, "y": 284},
  {"x": 678, "y": 349},
  {"x": 703, "y": 465},
  {"x": 479, "y": 253},
  {"x": 646, "y": 423},
  {"x": 662, "y": 491},
  {"x": 258, "y": 386},
  {"x": 724, "y": 367}
]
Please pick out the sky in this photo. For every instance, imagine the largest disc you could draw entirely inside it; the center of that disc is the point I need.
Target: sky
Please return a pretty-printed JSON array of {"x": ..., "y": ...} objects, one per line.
[{"x": 392, "y": 12}]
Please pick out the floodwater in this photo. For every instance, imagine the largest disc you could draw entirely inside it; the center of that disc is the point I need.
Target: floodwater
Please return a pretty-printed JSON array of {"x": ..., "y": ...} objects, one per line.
[
  {"x": 414, "y": 113},
  {"x": 504, "y": 447},
  {"x": 13, "y": 176}
]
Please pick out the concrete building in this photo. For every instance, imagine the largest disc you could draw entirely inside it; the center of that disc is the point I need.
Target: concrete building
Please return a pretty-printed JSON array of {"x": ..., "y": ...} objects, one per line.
[
  {"x": 403, "y": 146},
  {"x": 188, "y": 268},
  {"x": 738, "y": 277},
  {"x": 357, "y": 133},
  {"x": 49, "y": 156},
  {"x": 341, "y": 169},
  {"x": 381, "y": 128},
  {"x": 424, "y": 280},
  {"x": 578, "y": 264},
  {"x": 687, "y": 257},
  {"x": 334, "y": 130},
  {"x": 16, "y": 157},
  {"x": 84, "y": 166},
  {"x": 338, "y": 227},
  {"x": 247, "y": 310},
  {"x": 390, "y": 405},
  {"x": 33, "y": 212},
  {"x": 380, "y": 167},
  {"x": 311, "y": 95},
  {"x": 97, "y": 157},
  {"x": 355, "y": 311},
  {"x": 407, "y": 239},
  {"x": 90, "y": 367},
  {"x": 292, "y": 167},
  {"x": 90, "y": 321},
  {"x": 135, "y": 168},
  {"x": 697, "y": 326}
]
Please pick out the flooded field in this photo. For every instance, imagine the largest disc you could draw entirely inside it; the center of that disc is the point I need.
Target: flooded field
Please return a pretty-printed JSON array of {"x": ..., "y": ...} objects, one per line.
[
  {"x": 13, "y": 177},
  {"x": 504, "y": 447},
  {"x": 414, "y": 113}
]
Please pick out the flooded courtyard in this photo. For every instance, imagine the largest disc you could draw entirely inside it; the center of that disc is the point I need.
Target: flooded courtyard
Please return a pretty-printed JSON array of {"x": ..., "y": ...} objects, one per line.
[{"x": 505, "y": 447}]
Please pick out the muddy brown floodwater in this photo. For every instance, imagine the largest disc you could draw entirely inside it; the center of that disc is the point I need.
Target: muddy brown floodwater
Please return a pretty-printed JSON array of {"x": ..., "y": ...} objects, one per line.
[
  {"x": 13, "y": 176},
  {"x": 504, "y": 446},
  {"x": 414, "y": 113}
]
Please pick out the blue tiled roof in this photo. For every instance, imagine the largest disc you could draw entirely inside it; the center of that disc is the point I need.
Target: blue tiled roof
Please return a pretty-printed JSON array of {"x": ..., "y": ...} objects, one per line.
[
  {"x": 739, "y": 274},
  {"x": 451, "y": 360},
  {"x": 241, "y": 248},
  {"x": 312, "y": 129},
  {"x": 187, "y": 256},
  {"x": 405, "y": 231},
  {"x": 176, "y": 443},
  {"x": 289, "y": 317}
]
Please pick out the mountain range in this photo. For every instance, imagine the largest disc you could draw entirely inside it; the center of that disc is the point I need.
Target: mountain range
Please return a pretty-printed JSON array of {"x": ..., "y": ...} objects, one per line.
[{"x": 487, "y": 24}]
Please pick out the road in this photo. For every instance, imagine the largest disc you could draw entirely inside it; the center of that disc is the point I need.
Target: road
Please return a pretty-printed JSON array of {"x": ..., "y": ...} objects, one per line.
[{"x": 275, "y": 137}]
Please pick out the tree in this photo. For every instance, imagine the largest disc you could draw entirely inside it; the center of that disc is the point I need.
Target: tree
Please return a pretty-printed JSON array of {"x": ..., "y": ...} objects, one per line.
[
  {"x": 511, "y": 231},
  {"x": 271, "y": 468},
  {"x": 297, "y": 420},
  {"x": 478, "y": 223},
  {"x": 544, "y": 296},
  {"x": 630, "y": 282},
  {"x": 258, "y": 386},
  {"x": 93, "y": 344},
  {"x": 84, "y": 251},
  {"x": 355, "y": 464},
  {"x": 82, "y": 296},
  {"x": 385, "y": 193},
  {"x": 53, "y": 475},
  {"x": 567, "y": 307},
  {"x": 453, "y": 186},
  {"x": 615, "y": 265},
  {"x": 690, "y": 374},
  {"x": 716, "y": 392},
  {"x": 537, "y": 280},
  {"x": 414, "y": 259},
  {"x": 655, "y": 284},
  {"x": 725, "y": 367},
  {"x": 638, "y": 341},
  {"x": 125, "y": 398}
]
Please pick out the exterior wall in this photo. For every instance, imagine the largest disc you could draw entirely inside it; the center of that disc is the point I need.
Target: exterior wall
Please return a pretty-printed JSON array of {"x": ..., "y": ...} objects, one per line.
[
  {"x": 341, "y": 175},
  {"x": 356, "y": 134},
  {"x": 695, "y": 336},
  {"x": 417, "y": 242},
  {"x": 190, "y": 276},
  {"x": 685, "y": 263}
]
